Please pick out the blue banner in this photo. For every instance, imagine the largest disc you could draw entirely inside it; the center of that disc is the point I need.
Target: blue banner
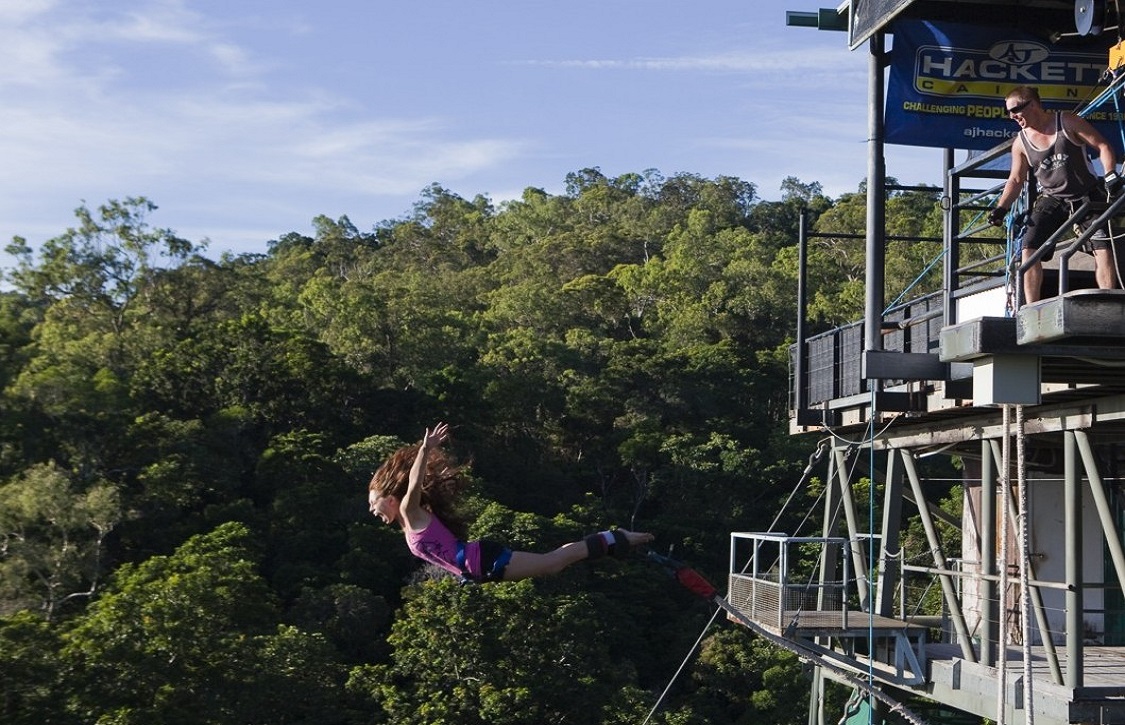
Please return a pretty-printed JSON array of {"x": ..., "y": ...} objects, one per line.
[{"x": 948, "y": 81}]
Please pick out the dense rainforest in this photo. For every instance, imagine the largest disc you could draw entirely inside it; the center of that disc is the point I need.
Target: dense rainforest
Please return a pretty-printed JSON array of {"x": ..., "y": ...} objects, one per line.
[{"x": 186, "y": 443}]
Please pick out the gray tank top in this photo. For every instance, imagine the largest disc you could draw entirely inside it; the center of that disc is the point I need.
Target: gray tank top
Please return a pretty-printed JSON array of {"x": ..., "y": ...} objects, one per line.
[{"x": 1062, "y": 170}]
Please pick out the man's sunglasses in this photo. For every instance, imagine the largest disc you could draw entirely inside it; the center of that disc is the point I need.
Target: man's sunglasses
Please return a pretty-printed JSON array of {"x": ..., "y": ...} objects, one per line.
[{"x": 1018, "y": 108}]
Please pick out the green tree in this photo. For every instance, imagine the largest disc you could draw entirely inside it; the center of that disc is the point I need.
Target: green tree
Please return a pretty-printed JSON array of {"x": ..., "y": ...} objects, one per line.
[
  {"x": 739, "y": 678},
  {"x": 194, "y": 638},
  {"x": 308, "y": 502},
  {"x": 91, "y": 287},
  {"x": 615, "y": 353},
  {"x": 283, "y": 378},
  {"x": 838, "y": 263},
  {"x": 100, "y": 269},
  {"x": 496, "y": 655},
  {"x": 186, "y": 477},
  {"x": 52, "y": 538},
  {"x": 33, "y": 683},
  {"x": 17, "y": 319}
]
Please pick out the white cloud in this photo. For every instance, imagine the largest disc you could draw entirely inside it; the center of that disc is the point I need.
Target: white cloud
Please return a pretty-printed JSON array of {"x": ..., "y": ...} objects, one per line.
[
  {"x": 157, "y": 22},
  {"x": 787, "y": 59},
  {"x": 95, "y": 126},
  {"x": 17, "y": 11},
  {"x": 238, "y": 117}
]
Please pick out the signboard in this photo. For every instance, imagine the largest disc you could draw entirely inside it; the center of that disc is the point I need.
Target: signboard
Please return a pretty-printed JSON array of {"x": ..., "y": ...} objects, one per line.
[{"x": 948, "y": 81}]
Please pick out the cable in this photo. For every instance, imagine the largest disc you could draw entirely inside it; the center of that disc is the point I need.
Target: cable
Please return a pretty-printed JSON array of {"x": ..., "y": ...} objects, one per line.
[
  {"x": 917, "y": 280},
  {"x": 694, "y": 582},
  {"x": 814, "y": 457},
  {"x": 865, "y": 440},
  {"x": 1116, "y": 106},
  {"x": 870, "y": 573},
  {"x": 683, "y": 664}
]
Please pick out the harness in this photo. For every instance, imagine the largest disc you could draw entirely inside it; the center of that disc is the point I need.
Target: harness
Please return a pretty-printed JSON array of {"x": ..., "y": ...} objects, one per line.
[{"x": 499, "y": 562}]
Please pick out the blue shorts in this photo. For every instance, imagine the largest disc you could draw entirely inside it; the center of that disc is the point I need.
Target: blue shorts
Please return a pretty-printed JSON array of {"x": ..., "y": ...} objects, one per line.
[{"x": 483, "y": 561}]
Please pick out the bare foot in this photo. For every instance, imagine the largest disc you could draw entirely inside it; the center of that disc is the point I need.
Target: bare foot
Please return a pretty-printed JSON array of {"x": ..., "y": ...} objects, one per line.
[{"x": 636, "y": 538}]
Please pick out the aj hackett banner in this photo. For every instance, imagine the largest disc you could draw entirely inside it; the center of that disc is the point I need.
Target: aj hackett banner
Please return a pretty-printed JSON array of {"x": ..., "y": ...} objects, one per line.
[{"x": 948, "y": 81}]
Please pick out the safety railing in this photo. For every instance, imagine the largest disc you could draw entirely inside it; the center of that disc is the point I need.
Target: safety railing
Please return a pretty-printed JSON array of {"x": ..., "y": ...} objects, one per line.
[{"x": 780, "y": 581}]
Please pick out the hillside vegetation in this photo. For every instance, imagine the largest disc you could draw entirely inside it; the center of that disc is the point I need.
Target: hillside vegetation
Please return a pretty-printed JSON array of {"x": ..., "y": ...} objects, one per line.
[{"x": 186, "y": 443}]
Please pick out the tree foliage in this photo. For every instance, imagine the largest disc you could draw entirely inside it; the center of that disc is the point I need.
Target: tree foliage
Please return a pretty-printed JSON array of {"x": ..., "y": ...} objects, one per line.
[
  {"x": 193, "y": 638},
  {"x": 186, "y": 443},
  {"x": 52, "y": 538}
]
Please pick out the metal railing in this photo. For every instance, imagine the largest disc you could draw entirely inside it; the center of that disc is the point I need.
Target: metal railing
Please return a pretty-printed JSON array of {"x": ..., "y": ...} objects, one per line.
[{"x": 777, "y": 585}]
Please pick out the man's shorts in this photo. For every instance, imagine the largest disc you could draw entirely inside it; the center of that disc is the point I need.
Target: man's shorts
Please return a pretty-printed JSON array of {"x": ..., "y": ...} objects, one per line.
[{"x": 1048, "y": 213}]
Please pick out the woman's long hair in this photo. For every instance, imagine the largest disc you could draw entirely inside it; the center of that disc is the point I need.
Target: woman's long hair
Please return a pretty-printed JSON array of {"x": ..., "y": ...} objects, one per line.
[{"x": 443, "y": 483}]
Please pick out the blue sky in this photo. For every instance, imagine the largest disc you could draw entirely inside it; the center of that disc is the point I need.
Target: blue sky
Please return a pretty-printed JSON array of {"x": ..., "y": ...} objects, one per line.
[{"x": 244, "y": 119}]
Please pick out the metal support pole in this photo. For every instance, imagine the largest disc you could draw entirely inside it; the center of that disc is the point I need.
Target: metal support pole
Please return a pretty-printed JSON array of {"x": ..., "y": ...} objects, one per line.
[
  {"x": 829, "y": 559},
  {"x": 948, "y": 590},
  {"x": 1101, "y": 501},
  {"x": 800, "y": 384},
  {"x": 876, "y": 197},
  {"x": 816, "y": 697},
  {"x": 951, "y": 230},
  {"x": 990, "y": 613},
  {"x": 859, "y": 560},
  {"x": 889, "y": 573},
  {"x": 1072, "y": 529}
]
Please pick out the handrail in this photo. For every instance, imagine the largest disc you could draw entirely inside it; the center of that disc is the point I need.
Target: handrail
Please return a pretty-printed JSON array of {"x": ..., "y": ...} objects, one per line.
[
  {"x": 1099, "y": 223},
  {"x": 1048, "y": 246}
]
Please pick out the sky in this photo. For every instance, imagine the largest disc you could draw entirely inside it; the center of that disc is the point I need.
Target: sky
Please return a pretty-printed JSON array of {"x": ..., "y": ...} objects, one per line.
[{"x": 243, "y": 120}]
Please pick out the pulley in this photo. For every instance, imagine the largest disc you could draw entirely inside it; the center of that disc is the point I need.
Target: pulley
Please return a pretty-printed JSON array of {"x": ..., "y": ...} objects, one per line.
[{"x": 1089, "y": 16}]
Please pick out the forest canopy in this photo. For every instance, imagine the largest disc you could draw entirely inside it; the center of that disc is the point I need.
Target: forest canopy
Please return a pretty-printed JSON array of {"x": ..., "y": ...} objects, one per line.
[{"x": 186, "y": 442}]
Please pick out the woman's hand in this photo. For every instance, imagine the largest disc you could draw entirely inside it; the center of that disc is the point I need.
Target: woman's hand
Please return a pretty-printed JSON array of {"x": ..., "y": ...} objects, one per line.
[{"x": 435, "y": 436}]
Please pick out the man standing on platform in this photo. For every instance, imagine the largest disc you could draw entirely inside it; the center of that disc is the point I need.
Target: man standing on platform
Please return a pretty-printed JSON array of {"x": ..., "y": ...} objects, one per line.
[{"x": 1052, "y": 145}]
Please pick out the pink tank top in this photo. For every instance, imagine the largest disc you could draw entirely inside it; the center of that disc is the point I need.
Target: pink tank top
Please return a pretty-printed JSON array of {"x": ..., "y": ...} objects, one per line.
[{"x": 437, "y": 545}]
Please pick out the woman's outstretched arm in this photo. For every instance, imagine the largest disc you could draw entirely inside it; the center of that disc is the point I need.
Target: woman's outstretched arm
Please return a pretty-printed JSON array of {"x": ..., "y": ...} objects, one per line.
[{"x": 414, "y": 516}]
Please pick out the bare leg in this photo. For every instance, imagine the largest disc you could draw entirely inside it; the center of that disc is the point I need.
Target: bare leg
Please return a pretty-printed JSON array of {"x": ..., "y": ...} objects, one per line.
[
  {"x": 1104, "y": 270},
  {"x": 525, "y": 564},
  {"x": 1032, "y": 279}
]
